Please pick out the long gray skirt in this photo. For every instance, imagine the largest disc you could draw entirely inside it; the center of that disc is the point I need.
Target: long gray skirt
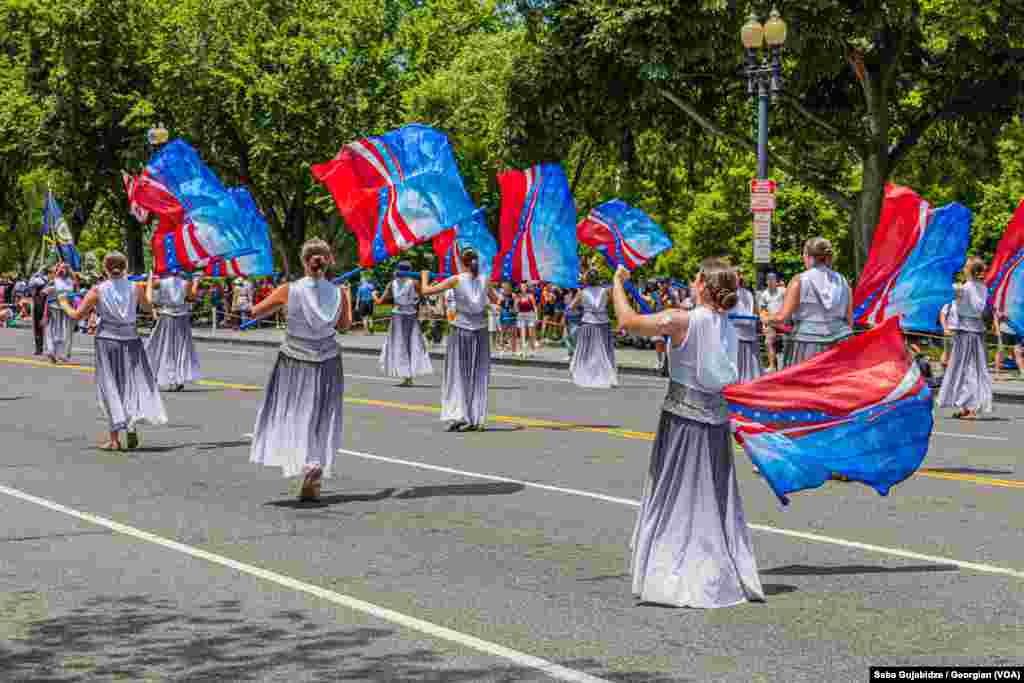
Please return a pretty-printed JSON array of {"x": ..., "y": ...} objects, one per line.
[
  {"x": 171, "y": 351},
  {"x": 405, "y": 351},
  {"x": 748, "y": 361},
  {"x": 967, "y": 382},
  {"x": 58, "y": 333},
  {"x": 593, "y": 362},
  {"x": 691, "y": 546},
  {"x": 467, "y": 374},
  {"x": 299, "y": 422},
  {"x": 125, "y": 385}
]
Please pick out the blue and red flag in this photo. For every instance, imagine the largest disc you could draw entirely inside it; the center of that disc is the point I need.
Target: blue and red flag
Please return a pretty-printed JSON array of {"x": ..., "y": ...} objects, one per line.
[
  {"x": 860, "y": 409},
  {"x": 914, "y": 258},
  {"x": 623, "y": 234},
  {"x": 55, "y": 231},
  {"x": 472, "y": 233},
  {"x": 1005, "y": 277},
  {"x": 538, "y": 227},
  {"x": 396, "y": 190},
  {"x": 212, "y": 223}
]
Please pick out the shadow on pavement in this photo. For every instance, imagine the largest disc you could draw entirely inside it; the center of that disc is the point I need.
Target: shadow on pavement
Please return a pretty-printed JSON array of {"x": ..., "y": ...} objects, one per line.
[
  {"x": 336, "y": 499},
  {"x": 806, "y": 570},
  {"x": 212, "y": 445},
  {"x": 488, "y": 489},
  {"x": 140, "y": 638},
  {"x": 964, "y": 470}
]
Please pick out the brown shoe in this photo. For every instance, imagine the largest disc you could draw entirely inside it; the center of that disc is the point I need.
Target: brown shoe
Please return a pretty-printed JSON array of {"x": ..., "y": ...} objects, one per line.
[{"x": 311, "y": 485}]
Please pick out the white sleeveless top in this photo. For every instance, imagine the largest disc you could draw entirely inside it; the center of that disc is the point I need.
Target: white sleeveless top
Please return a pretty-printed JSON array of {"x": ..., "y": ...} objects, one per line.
[
  {"x": 171, "y": 297},
  {"x": 470, "y": 302},
  {"x": 595, "y": 305},
  {"x": 116, "y": 309},
  {"x": 703, "y": 365},
  {"x": 969, "y": 306},
  {"x": 824, "y": 303},
  {"x": 403, "y": 291},
  {"x": 746, "y": 329},
  {"x": 314, "y": 305}
]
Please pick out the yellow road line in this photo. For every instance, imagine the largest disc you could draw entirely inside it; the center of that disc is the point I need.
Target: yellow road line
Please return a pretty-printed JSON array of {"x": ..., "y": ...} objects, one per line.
[{"x": 515, "y": 420}]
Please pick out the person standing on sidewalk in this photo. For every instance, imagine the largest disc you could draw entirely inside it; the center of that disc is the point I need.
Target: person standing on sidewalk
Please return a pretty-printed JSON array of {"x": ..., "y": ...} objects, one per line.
[
  {"x": 243, "y": 301},
  {"x": 573, "y": 317},
  {"x": 37, "y": 286},
  {"x": 1007, "y": 338},
  {"x": 770, "y": 301},
  {"x": 365, "y": 293}
]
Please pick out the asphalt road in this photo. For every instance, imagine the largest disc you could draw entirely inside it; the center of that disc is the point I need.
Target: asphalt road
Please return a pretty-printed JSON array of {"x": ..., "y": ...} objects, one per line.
[{"x": 497, "y": 556}]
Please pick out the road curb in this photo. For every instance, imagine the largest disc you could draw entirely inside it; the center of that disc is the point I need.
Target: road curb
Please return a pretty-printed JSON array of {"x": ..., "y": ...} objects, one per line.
[
  {"x": 997, "y": 396},
  {"x": 434, "y": 355}
]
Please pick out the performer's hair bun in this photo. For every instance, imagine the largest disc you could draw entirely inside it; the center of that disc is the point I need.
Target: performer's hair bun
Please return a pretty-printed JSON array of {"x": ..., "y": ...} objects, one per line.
[
  {"x": 976, "y": 268},
  {"x": 115, "y": 263},
  {"x": 819, "y": 249},
  {"x": 720, "y": 283},
  {"x": 471, "y": 261},
  {"x": 316, "y": 254}
]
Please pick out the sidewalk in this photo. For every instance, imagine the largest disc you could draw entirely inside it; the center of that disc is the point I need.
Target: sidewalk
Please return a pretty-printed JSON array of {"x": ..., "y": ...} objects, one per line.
[{"x": 630, "y": 361}]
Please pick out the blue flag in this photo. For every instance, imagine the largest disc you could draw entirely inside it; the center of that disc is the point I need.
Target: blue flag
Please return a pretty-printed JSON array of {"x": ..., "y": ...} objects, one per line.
[{"x": 56, "y": 232}]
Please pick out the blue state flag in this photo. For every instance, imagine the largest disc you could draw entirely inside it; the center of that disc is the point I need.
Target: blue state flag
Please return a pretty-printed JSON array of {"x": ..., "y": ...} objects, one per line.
[{"x": 56, "y": 232}]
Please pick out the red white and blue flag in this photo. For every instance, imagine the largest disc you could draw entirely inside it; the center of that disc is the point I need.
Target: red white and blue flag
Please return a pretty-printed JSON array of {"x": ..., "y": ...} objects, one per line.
[
  {"x": 538, "y": 227},
  {"x": 1005, "y": 277},
  {"x": 623, "y": 234},
  {"x": 915, "y": 254},
  {"x": 396, "y": 190},
  {"x": 861, "y": 410}
]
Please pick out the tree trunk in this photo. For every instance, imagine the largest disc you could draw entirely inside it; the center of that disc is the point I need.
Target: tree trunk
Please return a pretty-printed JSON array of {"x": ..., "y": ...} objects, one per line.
[
  {"x": 866, "y": 214},
  {"x": 864, "y": 217},
  {"x": 295, "y": 231},
  {"x": 133, "y": 238}
]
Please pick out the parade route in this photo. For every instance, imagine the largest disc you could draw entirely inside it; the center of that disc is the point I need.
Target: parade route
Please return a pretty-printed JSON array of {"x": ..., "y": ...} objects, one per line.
[{"x": 496, "y": 556}]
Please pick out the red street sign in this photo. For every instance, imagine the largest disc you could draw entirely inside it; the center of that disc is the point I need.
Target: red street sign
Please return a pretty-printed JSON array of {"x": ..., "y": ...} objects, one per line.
[{"x": 762, "y": 186}]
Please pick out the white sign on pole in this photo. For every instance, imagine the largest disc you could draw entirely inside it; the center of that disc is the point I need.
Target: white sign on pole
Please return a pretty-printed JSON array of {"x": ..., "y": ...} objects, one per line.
[{"x": 762, "y": 202}]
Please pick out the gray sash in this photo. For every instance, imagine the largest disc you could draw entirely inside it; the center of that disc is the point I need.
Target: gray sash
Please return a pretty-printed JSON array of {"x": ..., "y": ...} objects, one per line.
[
  {"x": 693, "y": 404},
  {"x": 310, "y": 350}
]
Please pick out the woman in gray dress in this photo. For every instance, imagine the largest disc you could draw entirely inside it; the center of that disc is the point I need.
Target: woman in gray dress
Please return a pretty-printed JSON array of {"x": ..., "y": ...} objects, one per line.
[
  {"x": 405, "y": 350},
  {"x": 125, "y": 384},
  {"x": 593, "y": 362},
  {"x": 967, "y": 383},
  {"x": 691, "y": 546},
  {"x": 819, "y": 302},
  {"x": 172, "y": 353},
  {"x": 467, "y": 365},
  {"x": 298, "y": 427},
  {"x": 744, "y": 319},
  {"x": 60, "y": 328}
]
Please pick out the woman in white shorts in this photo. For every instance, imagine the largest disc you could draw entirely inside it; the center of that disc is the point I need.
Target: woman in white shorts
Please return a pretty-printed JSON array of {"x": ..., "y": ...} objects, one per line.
[{"x": 527, "y": 319}]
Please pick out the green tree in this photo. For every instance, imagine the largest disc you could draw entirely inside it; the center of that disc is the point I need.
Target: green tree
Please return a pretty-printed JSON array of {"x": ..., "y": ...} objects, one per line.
[{"x": 864, "y": 82}]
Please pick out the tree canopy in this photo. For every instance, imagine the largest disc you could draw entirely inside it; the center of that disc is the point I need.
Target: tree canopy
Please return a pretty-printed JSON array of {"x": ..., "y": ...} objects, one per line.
[{"x": 639, "y": 99}]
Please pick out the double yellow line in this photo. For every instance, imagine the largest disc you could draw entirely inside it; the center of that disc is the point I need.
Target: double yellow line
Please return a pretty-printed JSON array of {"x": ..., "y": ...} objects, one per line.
[{"x": 534, "y": 423}]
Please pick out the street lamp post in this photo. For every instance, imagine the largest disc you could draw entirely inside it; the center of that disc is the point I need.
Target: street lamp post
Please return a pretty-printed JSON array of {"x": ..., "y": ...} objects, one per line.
[{"x": 764, "y": 79}]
